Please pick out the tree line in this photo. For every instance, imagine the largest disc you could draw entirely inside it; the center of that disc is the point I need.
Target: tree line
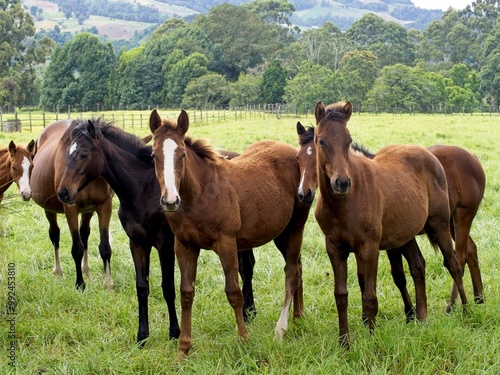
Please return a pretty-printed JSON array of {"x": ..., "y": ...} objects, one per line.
[{"x": 251, "y": 54}]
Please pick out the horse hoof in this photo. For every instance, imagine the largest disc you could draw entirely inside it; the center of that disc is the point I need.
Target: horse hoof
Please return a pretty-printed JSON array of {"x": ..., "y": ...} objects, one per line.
[
  {"x": 479, "y": 299},
  {"x": 109, "y": 285},
  {"x": 58, "y": 272},
  {"x": 174, "y": 333}
]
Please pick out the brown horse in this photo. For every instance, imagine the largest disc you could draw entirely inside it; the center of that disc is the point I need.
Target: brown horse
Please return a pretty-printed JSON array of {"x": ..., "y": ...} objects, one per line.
[
  {"x": 367, "y": 205},
  {"x": 466, "y": 183},
  {"x": 15, "y": 166},
  {"x": 96, "y": 197},
  {"x": 229, "y": 205}
]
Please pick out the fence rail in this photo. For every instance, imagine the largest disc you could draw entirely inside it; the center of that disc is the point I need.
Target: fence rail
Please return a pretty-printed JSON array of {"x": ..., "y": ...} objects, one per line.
[{"x": 35, "y": 121}]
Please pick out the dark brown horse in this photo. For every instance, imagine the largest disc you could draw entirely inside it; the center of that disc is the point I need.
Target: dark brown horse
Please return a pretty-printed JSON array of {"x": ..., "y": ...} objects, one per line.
[
  {"x": 15, "y": 166},
  {"x": 126, "y": 163},
  {"x": 466, "y": 183},
  {"x": 97, "y": 197},
  {"x": 372, "y": 204},
  {"x": 228, "y": 205}
]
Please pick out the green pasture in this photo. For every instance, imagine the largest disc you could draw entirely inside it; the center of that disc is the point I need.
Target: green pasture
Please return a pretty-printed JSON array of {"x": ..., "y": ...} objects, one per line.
[{"x": 59, "y": 330}]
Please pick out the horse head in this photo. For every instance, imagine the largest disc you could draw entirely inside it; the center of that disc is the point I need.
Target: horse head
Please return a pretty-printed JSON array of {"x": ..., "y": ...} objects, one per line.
[
  {"x": 79, "y": 159},
  {"x": 333, "y": 142},
  {"x": 21, "y": 164},
  {"x": 307, "y": 163},
  {"x": 169, "y": 153}
]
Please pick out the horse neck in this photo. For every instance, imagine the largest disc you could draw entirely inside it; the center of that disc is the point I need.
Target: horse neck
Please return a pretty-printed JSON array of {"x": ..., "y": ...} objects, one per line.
[
  {"x": 128, "y": 176},
  {"x": 197, "y": 174},
  {"x": 5, "y": 175}
]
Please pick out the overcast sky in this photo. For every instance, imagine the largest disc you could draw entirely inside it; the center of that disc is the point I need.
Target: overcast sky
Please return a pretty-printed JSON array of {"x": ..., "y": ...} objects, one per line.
[{"x": 442, "y": 4}]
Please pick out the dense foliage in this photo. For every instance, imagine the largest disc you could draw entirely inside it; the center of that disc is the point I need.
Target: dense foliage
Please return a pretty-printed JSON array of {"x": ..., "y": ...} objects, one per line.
[{"x": 377, "y": 64}]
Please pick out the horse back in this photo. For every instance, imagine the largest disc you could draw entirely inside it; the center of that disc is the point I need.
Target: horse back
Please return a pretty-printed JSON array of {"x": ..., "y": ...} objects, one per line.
[{"x": 265, "y": 179}]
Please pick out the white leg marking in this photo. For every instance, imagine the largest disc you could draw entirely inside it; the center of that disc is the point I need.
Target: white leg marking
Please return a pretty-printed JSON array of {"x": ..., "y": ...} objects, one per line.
[
  {"x": 169, "y": 147},
  {"x": 282, "y": 324}
]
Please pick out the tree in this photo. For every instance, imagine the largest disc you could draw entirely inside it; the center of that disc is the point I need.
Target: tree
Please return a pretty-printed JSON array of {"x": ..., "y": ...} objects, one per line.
[
  {"x": 358, "y": 73},
  {"x": 312, "y": 83},
  {"x": 240, "y": 38},
  {"x": 20, "y": 56},
  {"x": 206, "y": 91},
  {"x": 78, "y": 73},
  {"x": 246, "y": 90},
  {"x": 388, "y": 40},
  {"x": 273, "y": 83},
  {"x": 272, "y": 11},
  {"x": 180, "y": 70}
]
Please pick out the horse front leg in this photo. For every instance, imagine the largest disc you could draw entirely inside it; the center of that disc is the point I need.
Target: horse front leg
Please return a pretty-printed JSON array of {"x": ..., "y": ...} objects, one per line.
[
  {"x": 367, "y": 258},
  {"x": 187, "y": 258},
  {"x": 84, "y": 236},
  {"x": 227, "y": 251},
  {"x": 54, "y": 235},
  {"x": 77, "y": 248},
  {"x": 167, "y": 263},
  {"x": 338, "y": 259},
  {"x": 104, "y": 216},
  {"x": 141, "y": 258}
]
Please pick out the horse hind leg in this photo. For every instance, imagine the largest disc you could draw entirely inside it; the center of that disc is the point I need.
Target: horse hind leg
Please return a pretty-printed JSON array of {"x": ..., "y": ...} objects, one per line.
[
  {"x": 54, "y": 235},
  {"x": 104, "y": 215},
  {"x": 416, "y": 264},
  {"x": 246, "y": 263},
  {"x": 467, "y": 252},
  {"x": 438, "y": 232},
  {"x": 289, "y": 243}
]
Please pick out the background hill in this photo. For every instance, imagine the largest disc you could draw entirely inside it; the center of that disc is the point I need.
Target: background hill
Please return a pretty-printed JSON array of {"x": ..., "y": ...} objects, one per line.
[{"x": 133, "y": 19}]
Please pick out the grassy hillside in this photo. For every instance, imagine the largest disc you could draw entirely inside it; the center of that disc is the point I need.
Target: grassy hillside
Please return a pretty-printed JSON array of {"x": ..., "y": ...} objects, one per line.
[{"x": 62, "y": 331}]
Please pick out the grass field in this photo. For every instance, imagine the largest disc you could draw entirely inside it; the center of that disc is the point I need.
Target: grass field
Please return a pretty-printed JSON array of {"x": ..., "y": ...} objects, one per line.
[{"x": 61, "y": 331}]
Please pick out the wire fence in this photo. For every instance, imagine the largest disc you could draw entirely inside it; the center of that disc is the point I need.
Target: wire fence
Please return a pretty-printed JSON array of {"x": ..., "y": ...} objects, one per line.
[{"x": 35, "y": 120}]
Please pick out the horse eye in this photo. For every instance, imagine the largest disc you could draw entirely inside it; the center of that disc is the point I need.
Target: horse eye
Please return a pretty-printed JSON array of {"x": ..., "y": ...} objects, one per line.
[
  {"x": 84, "y": 156},
  {"x": 322, "y": 142},
  {"x": 14, "y": 168}
]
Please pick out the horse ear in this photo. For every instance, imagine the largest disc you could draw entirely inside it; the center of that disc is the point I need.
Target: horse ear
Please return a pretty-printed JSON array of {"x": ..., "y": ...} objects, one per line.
[
  {"x": 31, "y": 146},
  {"x": 183, "y": 123},
  {"x": 154, "y": 121},
  {"x": 348, "y": 109},
  {"x": 12, "y": 148},
  {"x": 319, "y": 111},
  {"x": 91, "y": 128},
  {"x": 300, "y": 128}
]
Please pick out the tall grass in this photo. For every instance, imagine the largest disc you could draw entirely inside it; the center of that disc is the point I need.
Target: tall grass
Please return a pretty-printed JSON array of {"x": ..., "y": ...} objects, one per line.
[{"x": 62, "y": 331}]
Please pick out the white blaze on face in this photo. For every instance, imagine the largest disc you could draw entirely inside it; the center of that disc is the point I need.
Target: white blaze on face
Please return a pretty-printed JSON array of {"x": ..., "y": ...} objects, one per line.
[
  {"x": 309, "y": 151},
  {"x": 73, "y": 148},
  {"x": 24, "y": 181},
  {"x": 169, "y": 147},
  {"x": 301, "y": 187}
]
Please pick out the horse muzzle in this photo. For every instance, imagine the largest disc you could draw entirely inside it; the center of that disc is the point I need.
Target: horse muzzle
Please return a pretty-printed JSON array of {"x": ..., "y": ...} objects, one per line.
[
  {"x": 26, "y": 195},
  {"x": 306, "y": 197},
  {"x": 170, "y": 206},
  {"x": 65, "y": 197},
  {"x": 341, "y": 186}
]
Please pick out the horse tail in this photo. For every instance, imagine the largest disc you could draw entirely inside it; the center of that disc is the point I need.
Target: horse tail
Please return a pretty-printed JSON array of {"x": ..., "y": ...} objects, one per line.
[{"x": 433, "y": 243}]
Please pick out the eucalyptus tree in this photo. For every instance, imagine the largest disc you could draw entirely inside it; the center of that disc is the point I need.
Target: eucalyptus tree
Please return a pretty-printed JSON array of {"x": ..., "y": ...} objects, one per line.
[
  {"x": 246, "y": 90},
  {"x": 206, "y": 91}
]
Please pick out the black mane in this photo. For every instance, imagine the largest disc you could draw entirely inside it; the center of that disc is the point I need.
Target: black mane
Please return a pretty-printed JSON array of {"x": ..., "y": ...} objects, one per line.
[
  {"x": 357, "y": 147},
  {"x": 126, "y": 141}
]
